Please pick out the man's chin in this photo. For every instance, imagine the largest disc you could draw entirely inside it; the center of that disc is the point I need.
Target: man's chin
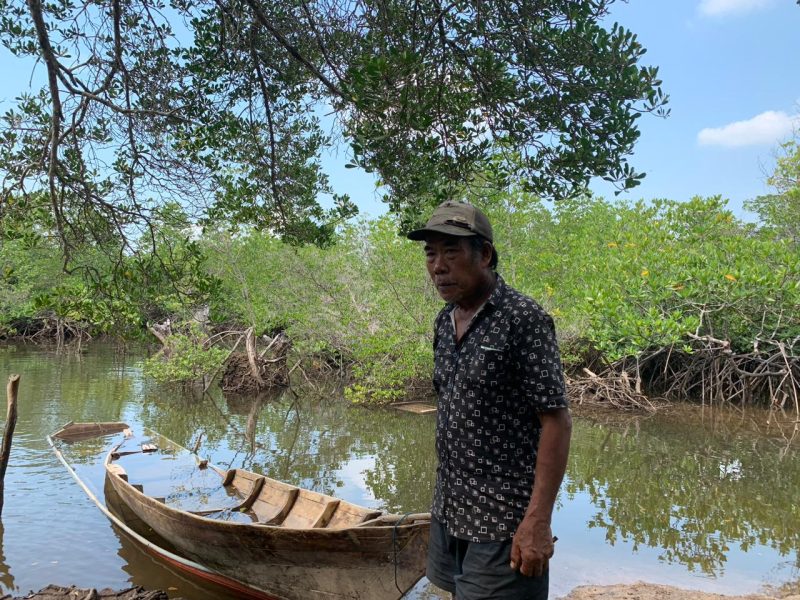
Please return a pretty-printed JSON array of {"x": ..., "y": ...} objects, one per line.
[{"x": 447, "y": 294}]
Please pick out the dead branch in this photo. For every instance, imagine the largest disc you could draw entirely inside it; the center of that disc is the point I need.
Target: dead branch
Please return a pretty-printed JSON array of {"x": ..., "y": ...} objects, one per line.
[
  {"x": 252, "y": 355},
  {"x": 252, "y": 371},
  {"x": 608, "y": 389}
]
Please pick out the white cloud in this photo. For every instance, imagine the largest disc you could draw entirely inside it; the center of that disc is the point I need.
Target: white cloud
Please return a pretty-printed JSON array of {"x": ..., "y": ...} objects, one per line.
[
  {"x": 767, "y": 128},
  {"x": 718, "y": 8}
]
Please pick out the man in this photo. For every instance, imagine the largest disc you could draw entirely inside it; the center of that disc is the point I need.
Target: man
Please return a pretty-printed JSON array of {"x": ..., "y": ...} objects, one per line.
[{"x": 503, "y": 425}]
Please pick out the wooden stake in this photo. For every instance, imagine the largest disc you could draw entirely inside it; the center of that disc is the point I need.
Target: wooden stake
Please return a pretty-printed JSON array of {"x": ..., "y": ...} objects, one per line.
[{"x": 8, "y": 434}]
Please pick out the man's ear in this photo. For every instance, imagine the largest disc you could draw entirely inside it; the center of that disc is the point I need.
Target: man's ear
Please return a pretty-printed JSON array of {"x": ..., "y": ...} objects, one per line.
[{"x": 486, "y": 253}]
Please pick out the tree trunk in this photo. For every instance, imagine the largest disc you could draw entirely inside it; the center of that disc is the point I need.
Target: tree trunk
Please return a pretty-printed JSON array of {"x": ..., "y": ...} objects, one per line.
[
  {"x": 250, "y": 343},
  {"x": 8, "y": 434}
]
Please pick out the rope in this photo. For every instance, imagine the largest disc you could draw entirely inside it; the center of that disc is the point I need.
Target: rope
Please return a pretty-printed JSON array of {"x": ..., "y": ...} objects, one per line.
[{"x": 394, "y": 546}]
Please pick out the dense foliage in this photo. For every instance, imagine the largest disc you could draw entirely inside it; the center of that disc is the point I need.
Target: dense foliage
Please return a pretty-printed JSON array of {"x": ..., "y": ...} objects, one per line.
[
  {"x": 218, "y": 104},
  {"x": 624, "y": 281},
  {"x": 780, "y": 211},
  {"x": 186, "y": 359},
  {"x": 621, "y": 280},
  {"x": 365, "y": 301},
  {"x": 115, "y": 292}
]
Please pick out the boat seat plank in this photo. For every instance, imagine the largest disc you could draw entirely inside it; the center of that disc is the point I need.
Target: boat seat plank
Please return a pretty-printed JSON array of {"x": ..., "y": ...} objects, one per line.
[
  {"x": 274, "y": 502},
  {"x": 350, "y": 515},
  {"x": 245, "y": 484},
  {"x": 252, "y": 496},
  {"x": 242, "y": 481},
  {"x": 310, "y": 510}
]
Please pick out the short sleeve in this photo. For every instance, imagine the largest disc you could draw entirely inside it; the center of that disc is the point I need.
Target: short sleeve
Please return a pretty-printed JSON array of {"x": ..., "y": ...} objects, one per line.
[{"x": 538, "y": 360}]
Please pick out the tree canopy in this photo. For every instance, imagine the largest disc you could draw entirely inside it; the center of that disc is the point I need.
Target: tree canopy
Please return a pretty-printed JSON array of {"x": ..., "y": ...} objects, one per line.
[
  {"x": 226, "y": 106},
  {"x": 780, "y": 211}
]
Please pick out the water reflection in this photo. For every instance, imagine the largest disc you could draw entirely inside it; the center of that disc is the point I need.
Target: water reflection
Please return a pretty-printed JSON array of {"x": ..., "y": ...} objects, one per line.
[
  {"x": 250, "y": 407},
  {"x": 697, "y": 498},
  {"x": 6, "y": 578},
  {"x": 379, "y": 458},
  {"x": 150, "y": 573}
]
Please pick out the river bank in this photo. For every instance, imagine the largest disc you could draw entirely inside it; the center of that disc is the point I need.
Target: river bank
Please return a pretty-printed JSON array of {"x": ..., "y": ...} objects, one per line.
[{"x": 650, "y": 591}]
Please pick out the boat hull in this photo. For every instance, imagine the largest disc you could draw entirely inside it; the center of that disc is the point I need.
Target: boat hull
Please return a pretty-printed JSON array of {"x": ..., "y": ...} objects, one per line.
[{"x": 378, "y": 562}]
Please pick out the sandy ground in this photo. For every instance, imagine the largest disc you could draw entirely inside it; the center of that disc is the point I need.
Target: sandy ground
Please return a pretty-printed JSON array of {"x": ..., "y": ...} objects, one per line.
[{"x": 649, "y": 591}]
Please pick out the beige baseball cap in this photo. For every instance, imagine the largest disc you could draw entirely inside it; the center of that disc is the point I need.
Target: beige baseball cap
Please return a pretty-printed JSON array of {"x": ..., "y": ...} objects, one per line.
[{"x": 455, "y": 218}]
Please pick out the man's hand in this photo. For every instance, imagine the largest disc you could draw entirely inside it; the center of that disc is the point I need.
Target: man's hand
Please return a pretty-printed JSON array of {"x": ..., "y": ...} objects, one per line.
[{"x": 532, "y": 547}]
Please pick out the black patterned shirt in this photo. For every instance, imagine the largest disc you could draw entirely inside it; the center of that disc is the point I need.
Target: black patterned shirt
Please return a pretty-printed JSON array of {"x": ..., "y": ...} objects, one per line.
[{"x": 491, "y": 385}]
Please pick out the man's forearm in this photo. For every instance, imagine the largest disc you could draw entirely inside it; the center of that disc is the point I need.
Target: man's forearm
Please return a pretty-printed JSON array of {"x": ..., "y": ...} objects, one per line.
[
  {"x": 551, "y": 463},
  {"x": 533, "y": 540}
]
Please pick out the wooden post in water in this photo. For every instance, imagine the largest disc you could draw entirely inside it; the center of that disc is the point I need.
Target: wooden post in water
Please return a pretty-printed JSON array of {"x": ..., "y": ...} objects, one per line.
[{"x": 8, "y": 434}]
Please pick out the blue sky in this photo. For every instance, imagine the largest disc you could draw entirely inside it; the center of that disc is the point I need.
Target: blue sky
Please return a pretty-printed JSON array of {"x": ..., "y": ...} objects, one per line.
[{"x": 731, "y": 68}]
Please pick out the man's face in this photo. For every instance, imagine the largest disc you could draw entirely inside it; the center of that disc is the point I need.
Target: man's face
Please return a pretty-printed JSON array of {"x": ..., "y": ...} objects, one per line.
[{"x": 457, "y": 271}]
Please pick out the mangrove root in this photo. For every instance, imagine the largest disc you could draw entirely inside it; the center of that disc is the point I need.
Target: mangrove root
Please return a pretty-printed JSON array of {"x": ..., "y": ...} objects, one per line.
[
  {"x": 709, "y": 371},
  {"x": 252, "y": 371},
  {"x": 611, "y": 389}
]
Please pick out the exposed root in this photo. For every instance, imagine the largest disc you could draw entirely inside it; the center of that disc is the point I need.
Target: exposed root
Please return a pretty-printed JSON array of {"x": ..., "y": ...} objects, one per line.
[
  {"x": 66, "y": 334},
  {"x": 608, "y": 389},
  {"x": 714, "y": 374},
  {"x": 708, "y": 371},
  {"x": 252, "y": 371}
]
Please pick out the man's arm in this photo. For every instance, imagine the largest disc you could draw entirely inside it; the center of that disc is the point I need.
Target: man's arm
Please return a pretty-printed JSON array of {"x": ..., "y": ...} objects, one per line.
[{"x": 533, "y": 541}]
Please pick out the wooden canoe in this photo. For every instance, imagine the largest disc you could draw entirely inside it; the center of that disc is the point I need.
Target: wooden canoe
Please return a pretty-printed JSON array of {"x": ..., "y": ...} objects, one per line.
[{"x": 276, "y": 539}]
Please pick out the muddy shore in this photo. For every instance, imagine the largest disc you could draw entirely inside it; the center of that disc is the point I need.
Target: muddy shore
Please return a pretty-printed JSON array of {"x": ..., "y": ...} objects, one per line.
[{"x": 650, "y": 591}]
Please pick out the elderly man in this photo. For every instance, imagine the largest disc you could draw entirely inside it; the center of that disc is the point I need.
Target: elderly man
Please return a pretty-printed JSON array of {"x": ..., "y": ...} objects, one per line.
[{"x": 503, "y": 426}]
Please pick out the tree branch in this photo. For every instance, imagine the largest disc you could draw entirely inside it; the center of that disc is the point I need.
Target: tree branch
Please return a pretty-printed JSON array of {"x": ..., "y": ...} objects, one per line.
[{"x": 293, "y": 51}]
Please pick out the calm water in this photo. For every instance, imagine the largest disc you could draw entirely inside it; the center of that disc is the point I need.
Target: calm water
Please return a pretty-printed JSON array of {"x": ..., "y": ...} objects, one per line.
[{"x": 695, "y": 498}]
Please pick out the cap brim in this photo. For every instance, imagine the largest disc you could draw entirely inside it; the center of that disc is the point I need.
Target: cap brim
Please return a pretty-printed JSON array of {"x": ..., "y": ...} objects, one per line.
[{"x": 419, "y": 235}]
